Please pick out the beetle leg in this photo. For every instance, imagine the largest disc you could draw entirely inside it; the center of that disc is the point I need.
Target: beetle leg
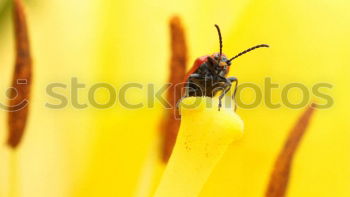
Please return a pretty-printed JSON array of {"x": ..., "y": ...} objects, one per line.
[
  {"x": 234, "y": 79},
  {"x": 228, "y": 84},
  {"x": 226, "y": 89}
]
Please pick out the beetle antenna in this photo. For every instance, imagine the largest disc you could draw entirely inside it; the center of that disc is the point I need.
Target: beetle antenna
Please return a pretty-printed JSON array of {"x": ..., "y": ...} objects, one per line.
[
  {"x": 220, "y": 40},
  {"x": 248, "y": 50}
]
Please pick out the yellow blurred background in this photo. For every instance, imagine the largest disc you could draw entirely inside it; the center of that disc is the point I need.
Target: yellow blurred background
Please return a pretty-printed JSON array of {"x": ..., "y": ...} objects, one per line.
[{"x": 94, "y": 152}]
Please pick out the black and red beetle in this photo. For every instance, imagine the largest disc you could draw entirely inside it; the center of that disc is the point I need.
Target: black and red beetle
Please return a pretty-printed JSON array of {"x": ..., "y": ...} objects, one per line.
[{"x": 208, "y": 74}]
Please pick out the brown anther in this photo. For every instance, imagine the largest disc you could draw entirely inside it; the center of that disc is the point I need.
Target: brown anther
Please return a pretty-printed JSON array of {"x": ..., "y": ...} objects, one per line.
[
  {"x": 19, "y": 94},
  {"x": 280, "y": 175},
  {"x": 170, "y": 124}
]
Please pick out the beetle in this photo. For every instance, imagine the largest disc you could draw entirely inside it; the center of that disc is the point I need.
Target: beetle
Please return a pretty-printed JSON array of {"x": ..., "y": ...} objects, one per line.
[{"x": 208, "y": 75}]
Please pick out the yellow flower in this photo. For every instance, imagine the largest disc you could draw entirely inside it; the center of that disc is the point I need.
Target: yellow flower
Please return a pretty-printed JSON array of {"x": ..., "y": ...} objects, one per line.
[{"x": 93, "y": 152}]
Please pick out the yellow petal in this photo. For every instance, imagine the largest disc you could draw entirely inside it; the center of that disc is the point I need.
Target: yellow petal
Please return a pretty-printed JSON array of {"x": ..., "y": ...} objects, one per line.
[{"x": 204, "y": 136}]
